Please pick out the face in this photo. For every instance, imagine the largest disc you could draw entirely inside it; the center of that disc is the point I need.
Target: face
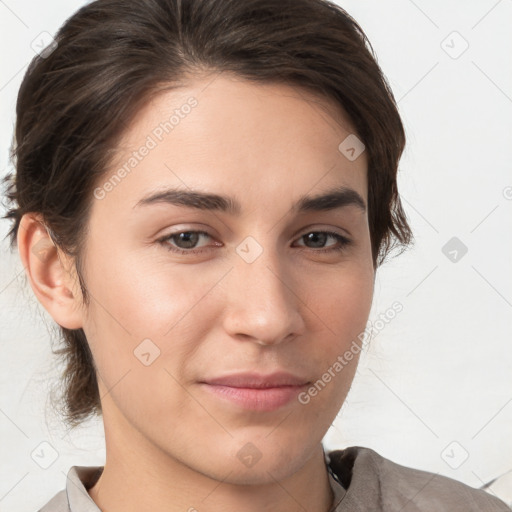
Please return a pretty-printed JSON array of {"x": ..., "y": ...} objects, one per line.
[{"x": 198, "y": 303}]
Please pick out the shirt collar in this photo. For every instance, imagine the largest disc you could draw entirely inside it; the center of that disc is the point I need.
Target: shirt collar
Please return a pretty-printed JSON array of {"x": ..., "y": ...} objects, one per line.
[
  {"x": 336, "y": 486},
  {"x": 81, "y": 478}
]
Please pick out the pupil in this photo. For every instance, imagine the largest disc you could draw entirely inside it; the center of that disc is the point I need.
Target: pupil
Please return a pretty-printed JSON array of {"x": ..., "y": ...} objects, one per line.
[
  {"x": 313, "y": 236},
  {"x": 189, "y": 238}
]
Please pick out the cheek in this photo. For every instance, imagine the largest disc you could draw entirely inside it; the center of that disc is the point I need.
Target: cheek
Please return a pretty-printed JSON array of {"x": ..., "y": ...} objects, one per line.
[
  {"x": 343, "y": 301},
  {"x": 343, "y": 309},
  {"x": 143, "y": 295},
  {"x": 142, "y": 305},
  {"x": 137, "y": 298}
]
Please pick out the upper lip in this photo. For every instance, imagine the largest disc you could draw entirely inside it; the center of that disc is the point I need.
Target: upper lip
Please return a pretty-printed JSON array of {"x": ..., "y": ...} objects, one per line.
[{"x": 257, "y": 380}]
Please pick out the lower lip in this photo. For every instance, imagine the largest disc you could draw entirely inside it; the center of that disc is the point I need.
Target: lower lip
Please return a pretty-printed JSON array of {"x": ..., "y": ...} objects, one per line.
[{"x": 262, "y": 399}]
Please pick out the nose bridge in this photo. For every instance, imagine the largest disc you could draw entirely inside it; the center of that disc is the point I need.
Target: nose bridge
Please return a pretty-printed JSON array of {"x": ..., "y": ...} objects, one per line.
[{"x": 262, "y": 303}]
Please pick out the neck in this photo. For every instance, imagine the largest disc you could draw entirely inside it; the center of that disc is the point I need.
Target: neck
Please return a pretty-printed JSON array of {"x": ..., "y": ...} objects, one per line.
[{"x": 139, "y": 476}]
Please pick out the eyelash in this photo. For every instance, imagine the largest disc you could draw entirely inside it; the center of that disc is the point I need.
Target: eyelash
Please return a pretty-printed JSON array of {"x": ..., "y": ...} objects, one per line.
[{"x": 343, "y": 241}]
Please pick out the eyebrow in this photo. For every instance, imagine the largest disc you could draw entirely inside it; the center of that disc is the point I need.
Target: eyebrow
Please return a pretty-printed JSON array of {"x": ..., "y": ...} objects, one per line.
[{"x": 332, "y": 199}]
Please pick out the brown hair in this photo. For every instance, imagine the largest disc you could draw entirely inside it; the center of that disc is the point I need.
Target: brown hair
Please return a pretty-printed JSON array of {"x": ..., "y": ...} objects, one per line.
[{"x": 76, "y": 101}]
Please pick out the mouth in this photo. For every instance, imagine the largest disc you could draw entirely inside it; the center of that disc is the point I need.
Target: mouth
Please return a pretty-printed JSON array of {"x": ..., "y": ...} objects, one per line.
[{"x": 256, "y": 392}]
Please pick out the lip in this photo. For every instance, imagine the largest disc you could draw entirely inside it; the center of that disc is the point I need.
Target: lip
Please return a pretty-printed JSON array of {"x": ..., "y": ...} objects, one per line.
[{"x": 255, "y": 391}]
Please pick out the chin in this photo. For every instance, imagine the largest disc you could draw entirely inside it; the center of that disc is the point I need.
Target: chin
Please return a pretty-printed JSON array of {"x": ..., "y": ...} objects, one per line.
[{"x": 264, "y": 462}]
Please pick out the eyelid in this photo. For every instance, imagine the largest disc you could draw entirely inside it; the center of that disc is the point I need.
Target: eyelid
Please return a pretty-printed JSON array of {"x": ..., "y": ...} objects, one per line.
[
  {"x": 324, "y": 229},
  {"x": 300, "y": 233},
  {"x": 178, "y": 232},
  {"x": 342, "y": 239}
]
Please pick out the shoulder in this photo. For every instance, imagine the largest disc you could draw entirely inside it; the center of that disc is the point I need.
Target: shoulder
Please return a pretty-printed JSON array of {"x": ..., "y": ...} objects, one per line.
[{"x": 376, "y": 483}]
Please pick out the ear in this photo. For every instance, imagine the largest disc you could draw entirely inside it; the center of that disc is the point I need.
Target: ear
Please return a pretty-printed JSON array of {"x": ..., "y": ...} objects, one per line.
[{"x": 51, "y": 273}]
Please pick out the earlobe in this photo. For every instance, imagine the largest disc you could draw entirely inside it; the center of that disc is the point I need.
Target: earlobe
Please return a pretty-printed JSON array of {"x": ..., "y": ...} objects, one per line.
[{"x": 50, "y": 272}]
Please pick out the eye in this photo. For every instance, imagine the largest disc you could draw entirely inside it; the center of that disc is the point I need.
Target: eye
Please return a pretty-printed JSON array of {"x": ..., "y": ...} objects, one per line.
[
  {"x": 185, "y": 242},
  {"x": 320, "y": 238}
]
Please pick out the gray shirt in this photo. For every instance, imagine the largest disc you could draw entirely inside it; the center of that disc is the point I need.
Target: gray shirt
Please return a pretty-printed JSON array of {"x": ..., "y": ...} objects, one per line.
[{"x": 361, "y": 480}]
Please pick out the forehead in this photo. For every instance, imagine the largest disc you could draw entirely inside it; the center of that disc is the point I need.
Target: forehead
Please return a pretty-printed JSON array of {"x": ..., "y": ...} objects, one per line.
[{"x": 261, "y": 140}]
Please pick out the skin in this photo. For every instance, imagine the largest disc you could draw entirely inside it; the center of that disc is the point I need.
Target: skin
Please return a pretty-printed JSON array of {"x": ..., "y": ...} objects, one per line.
[{"x": 170, "y": 445}]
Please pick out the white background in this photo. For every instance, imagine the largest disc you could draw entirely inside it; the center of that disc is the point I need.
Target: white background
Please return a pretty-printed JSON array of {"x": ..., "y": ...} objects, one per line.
[{"x": 436, "y": 384}]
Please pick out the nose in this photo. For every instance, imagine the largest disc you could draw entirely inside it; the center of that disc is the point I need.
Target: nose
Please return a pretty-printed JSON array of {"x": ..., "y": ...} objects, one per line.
[{"x": 264, "y": 304}]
